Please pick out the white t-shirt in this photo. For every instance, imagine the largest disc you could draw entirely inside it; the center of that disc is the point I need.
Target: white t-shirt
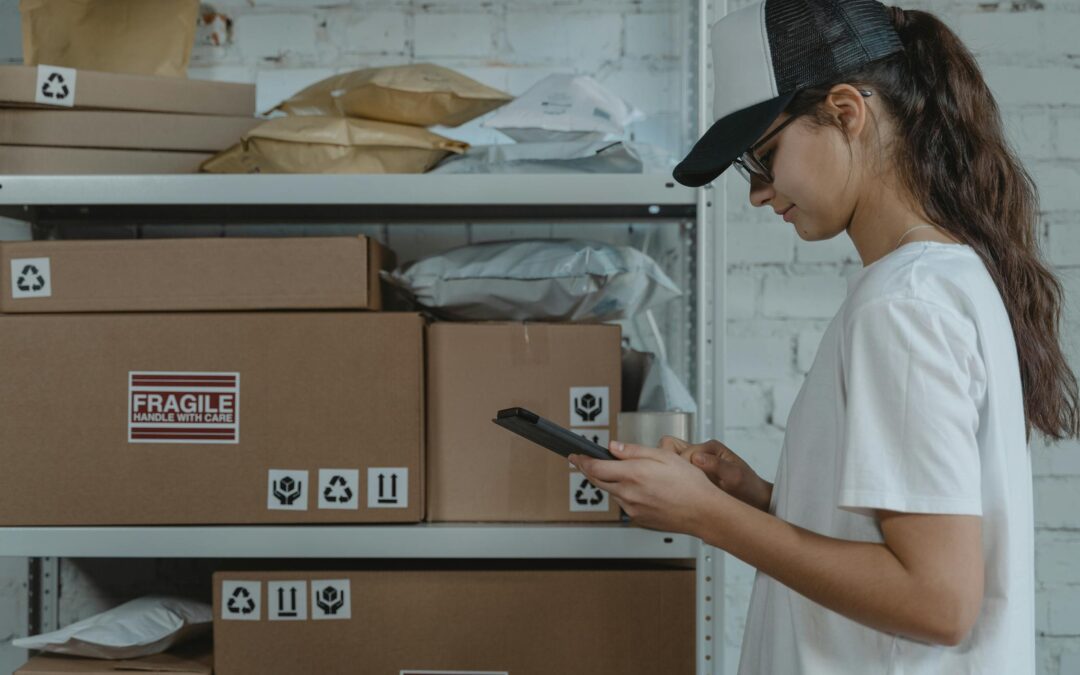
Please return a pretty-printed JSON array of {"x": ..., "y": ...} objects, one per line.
[{"x": 913, "y": 404}]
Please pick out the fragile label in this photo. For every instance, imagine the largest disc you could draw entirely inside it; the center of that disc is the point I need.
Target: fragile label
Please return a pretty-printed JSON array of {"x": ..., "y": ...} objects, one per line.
[
  {"x": 287, "y": 600},
  {"x": 584, "y": 496},
  {"x": 240, "y": 600},
  {"x": 171, "y": 407},
  {"x": 590, "y": 406},
  {"x": 31, "y": 278},
  {"x": 388, "y": 488},
  {"x": 55, "y": 86},
  {"x": 331, "y": 599}
]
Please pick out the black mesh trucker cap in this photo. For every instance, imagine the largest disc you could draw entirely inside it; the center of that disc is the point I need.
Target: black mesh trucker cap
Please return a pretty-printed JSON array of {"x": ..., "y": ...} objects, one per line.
[{"x": 766, "y": 53}]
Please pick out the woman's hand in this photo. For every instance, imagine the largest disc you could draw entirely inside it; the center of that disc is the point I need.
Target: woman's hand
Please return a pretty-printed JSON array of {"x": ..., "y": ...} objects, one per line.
[
  {"x": 657, "y": 488},
  {"x": 725, "y": 469}
]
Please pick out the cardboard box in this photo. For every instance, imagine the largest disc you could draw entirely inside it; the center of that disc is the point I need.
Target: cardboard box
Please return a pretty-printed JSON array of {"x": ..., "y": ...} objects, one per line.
[
  {"x": 479, "y": 471},
  {"x": 219, "y": 418},
  {"x": 192, "y": 274},
  {"x": 32, "y": 160},
  {"x": 122, "y": 130},
  {"x": 47, "y": 86},
  {"x": 512, "y": 622},
  {"x": 190, "y": 658}
]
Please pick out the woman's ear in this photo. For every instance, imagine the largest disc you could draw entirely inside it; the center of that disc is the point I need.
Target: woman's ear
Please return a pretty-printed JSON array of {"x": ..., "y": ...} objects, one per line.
[{"x": 847, "y": 105}]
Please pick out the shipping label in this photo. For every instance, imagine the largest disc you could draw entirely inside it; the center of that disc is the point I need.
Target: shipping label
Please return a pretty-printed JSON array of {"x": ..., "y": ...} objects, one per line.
[{"x": 173, "y": 407}]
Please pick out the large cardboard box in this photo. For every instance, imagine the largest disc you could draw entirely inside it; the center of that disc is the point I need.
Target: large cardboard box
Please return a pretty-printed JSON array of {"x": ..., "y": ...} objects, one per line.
[
  {"x": 122, "y": 130},
  {"x": 32, "y": 160},
  {"x": 192, "y": 274},
  {"x": 194, "y": 658},
  {"x": 47, "y": 86},
  {"x": 479, "y": 471},
  {"x": 505, "y": 622},
  {"x": 218, "y": 418}
]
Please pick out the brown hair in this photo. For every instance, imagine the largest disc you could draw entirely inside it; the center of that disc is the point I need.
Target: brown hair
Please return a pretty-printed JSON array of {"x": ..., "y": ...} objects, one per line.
[{"x": 943, "y": 109}]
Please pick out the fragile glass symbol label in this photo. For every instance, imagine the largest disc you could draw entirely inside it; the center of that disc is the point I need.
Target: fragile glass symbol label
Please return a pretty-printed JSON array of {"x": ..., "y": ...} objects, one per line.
[{"x": 178, "y": 407}]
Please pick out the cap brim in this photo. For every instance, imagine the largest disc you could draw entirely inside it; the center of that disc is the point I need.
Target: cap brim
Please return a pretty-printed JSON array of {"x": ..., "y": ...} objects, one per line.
[{"x": 727, "y": 139}]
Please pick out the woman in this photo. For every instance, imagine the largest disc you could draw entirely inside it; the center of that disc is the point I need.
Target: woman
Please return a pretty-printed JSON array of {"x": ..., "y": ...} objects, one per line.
[{"x": 898, "y": 537}]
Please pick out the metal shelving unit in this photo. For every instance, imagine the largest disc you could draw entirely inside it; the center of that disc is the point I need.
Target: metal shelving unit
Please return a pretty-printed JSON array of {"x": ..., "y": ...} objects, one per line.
[{"x": 48, "y": 201}]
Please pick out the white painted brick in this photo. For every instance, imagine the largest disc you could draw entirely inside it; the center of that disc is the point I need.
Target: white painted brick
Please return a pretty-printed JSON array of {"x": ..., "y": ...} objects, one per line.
[
  {"x": 1058, "y": 185},
  {"x": 1056, "y": 558},
  {"x": 806, "y": 296},
  {"x": 759, "y": 357},
  {"x": 759, "y": 243},
  {"x": 760, "y": 448},
  {"x": 260, "y": 36},
  {"x": 1063, "y": 243},
  {"x": 1049, "y": 85},
  {"x": 807, "y": 348},
  {"x": 839, "y": 249},
  {"x": 581, "y": 40},
  {"x": 221, "y": 73},
  {"x": 651, "y": 36},
  {"x": 1065, "y": 612},
  {"x": 274, "y": 85},
  {"x": 1060, "y": 459},
  {"x": 744, "y": 406},
  {"x": 367, "y": 32},
  {"x": 1009, "y": 34},
  {"x": 653, "y": 90},
  {"x": 1057, "y": 502},
  {"x": 1068, "y": 136},
  {"x": 1029, "y": 133},
  {"x": 742, "y": 295},
  {"x": 783, "y": 396},
  {"x": 1042, "y": 611},
  {"x": 1070, "y": 663},
  {"x": 457, "y": 35}
]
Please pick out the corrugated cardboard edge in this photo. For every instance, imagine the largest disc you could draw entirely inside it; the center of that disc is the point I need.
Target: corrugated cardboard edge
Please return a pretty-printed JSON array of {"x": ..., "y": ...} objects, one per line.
[{"x": 379, "y": 258}]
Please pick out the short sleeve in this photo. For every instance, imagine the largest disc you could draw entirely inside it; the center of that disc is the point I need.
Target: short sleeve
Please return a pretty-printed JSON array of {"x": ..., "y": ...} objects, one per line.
[{"x": 912, "y": 378}]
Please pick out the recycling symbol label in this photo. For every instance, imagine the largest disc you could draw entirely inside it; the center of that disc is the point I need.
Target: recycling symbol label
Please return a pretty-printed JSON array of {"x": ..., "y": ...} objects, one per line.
[
  {"x": 287, "y": 490},
  {"x": 584, "y": 496},
  {"x": 331, "y": 599},
  {"x": 31, "y": 278},
  {"x": 339, "y": 488},
  {"x": 590, "y": 406},
  {"x": 241, "y": 600},
  {"x": 55, "y": 86}
]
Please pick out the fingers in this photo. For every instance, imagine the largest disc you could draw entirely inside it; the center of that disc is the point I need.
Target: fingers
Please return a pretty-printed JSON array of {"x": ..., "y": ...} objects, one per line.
[
  {"x": 673, "y": 444},
  {"x": 632, "y": 451},
  {"x": 600, "y": 470}
]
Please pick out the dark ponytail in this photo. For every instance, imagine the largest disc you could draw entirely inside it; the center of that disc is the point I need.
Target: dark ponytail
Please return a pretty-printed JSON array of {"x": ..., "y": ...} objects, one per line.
[{"x": 948, "y": 126}]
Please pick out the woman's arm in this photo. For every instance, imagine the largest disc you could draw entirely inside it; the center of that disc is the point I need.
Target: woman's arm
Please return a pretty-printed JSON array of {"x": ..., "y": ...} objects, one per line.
[{"x": 925, "y": 582}]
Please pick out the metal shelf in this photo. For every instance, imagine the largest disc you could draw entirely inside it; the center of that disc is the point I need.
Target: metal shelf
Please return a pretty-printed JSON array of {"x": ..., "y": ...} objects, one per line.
[
  {"x": 279, "y": 198},
  {"x": 605, "y": 541}
]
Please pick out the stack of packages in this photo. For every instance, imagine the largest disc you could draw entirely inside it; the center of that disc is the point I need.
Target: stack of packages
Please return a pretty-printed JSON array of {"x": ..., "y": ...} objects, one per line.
[
  {"x": 189, "y": 381},
  {"x": 366, "y": 121},
  {"x": 563, "y": 124},
  {"x": 103, "y": 91}
]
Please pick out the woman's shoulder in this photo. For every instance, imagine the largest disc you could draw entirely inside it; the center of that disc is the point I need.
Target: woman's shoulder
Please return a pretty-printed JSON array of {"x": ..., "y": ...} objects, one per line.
[{"x": 927, "y": 275}]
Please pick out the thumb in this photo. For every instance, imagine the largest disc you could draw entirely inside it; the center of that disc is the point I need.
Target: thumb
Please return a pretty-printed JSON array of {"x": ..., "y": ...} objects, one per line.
[{"x": 631, "y": 451}]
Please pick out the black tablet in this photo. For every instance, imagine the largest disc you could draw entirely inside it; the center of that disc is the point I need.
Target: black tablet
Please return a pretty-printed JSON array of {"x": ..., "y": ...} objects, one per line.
[{"x": 548, "y": 434}]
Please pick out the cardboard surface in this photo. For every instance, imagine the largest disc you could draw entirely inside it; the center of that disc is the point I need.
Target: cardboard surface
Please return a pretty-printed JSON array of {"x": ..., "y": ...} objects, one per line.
[
  {"x": 27, "y": 160},
  {"x": 150, "y": 419},
  {"x": 192, "y": 274},
  {"x": 114, "y": 91},
  {"x": 122, "y": 130},
  {"x": 479, "y": 471},
  {"x": 519, "y": 622},
  {"x": 196, "y": 657}
]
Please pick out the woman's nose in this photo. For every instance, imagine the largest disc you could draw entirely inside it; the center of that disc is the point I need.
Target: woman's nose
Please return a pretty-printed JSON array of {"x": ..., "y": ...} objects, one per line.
[{"x": 760, "y": 191}]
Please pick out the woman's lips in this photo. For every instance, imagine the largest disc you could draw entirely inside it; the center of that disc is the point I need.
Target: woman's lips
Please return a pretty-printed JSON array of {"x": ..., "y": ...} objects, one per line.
[{"x": 788, "y": 215}]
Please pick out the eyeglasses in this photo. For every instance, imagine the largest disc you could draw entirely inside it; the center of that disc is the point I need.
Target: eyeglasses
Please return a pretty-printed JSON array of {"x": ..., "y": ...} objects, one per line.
[{"x": 749, "y": 165}]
